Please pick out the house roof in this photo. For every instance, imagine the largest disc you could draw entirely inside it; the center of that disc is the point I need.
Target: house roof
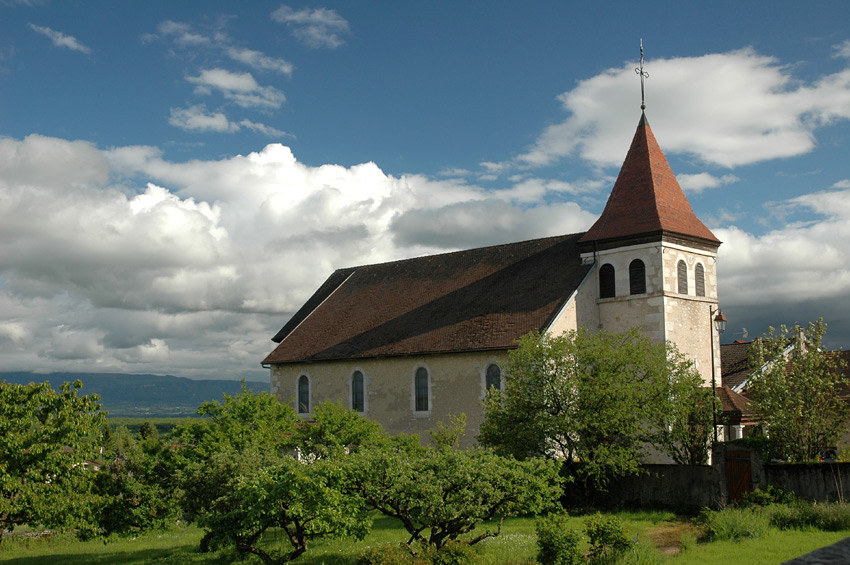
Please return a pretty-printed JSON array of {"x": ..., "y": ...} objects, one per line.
[
  {"x": 737, "y": 409},
  {"x": 735, "y": 363},
  {"x": 478, "y": 299},
  {"x": 647, "y": 200}
]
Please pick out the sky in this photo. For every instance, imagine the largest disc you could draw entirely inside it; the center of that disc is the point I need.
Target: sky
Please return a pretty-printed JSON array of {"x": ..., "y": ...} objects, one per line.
[{"x": 177, "y": 178}]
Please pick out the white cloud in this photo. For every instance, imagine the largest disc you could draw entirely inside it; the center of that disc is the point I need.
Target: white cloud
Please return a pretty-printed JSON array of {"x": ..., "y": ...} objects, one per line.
[
  {"x": 264, "y": 129},
  {"x": 745, "y": 107},
  {"x": 843, "y": 49},
  {"x": 701, "y": 181},
  {"x": 196, "y": 118},
  {"x": 59, "y": 39},
  {"x": 258, "y": 60},
  {"x": 320, "y": 27},
  {"x": 241, "y": 88}
]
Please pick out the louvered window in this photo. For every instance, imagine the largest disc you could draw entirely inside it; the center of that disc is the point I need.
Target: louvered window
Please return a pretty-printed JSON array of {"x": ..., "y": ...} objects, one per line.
[
  {"x": 421, "y": 389},
  {"x": 699, "y": 282},
  {"x": 682, "y": 270},
  {"x": 637, "y": 277},
  {"x": 607, "y": 286},
  {"x": 357, "y": 391}
]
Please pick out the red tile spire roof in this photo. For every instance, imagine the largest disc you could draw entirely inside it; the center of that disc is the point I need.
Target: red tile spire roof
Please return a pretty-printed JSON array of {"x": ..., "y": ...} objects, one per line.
[{"x": 647, "y": 199}]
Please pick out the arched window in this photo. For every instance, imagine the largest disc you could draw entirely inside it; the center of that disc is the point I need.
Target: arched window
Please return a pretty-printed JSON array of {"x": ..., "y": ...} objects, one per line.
[
  {"x": 682, "y": 271},
  {"x": 493, "y": 378},
  {"x": 421, "y": 389},
  {"x": 607, "y": 286},
  {"x": 357, "y": 391},
  {"x": 303, "y": 395},
  {"x": 699, "y": 282},
  {"x": 637, "y": 277}
]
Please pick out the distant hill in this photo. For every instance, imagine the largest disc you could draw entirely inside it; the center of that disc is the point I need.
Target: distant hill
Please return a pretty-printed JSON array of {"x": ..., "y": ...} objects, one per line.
[{"x": 142, "y": 395}]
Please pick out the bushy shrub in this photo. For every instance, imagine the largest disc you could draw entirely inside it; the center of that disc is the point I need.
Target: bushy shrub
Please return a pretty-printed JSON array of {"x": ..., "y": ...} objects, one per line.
[
  {"x": 832, "y": 517},
  {"x": 454, "y": 553},
  {"x": 767, "y": 496},
  {"x": 557, "y": 544},
  {"x": 608, "y": 538},
  {"x": 733, "y": 523}
]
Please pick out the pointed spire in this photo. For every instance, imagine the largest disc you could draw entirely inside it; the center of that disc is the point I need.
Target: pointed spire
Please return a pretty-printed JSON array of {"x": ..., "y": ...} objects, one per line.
[{"x": 647, "y": 202}]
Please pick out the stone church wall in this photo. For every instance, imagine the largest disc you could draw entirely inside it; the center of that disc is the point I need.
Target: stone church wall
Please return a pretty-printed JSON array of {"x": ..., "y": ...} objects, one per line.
[{"x": 456, "y": 385}]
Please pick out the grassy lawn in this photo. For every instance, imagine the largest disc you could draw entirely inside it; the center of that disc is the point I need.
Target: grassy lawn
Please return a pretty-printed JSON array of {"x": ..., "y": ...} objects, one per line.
[{"x": 517, "y": 544}]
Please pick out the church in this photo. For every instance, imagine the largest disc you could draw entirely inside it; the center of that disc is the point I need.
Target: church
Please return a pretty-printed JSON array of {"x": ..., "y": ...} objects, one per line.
[{"x": 410, "y": 343}]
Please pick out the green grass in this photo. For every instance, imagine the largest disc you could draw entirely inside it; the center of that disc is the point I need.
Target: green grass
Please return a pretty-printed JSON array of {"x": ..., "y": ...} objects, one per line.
[{"x": 516, "y": 545}]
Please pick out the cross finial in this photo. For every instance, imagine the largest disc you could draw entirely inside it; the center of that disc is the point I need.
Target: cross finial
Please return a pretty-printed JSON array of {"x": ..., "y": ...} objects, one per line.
[{"x": 643, "y": 75}]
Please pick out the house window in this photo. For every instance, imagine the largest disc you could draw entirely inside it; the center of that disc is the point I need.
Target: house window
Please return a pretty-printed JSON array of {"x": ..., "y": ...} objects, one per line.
[
  {"x": 421, "y": 389},
  {"x": 303, "y": 395},
  {"x": 607, "y": 286},
  {"x": 357, "y": 391},
  {"x": 699, "y": 282},
  {"x": 493, "y": 378},
  {"x": 637, "y": 277},
  {"x": 682, "y": 271}
]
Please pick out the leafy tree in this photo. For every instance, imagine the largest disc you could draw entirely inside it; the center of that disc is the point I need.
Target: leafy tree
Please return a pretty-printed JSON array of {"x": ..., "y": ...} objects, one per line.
[
  {"x": 238, "y": 436},
  {"x": 335, "y": 430},
  {"x": 301, "y": 499},
  {"x": 685, "y": 425},
  {"x": 439, "y": 495},
  {"x": 137, "y": 486},
  {"x": 798, "y": 395},
  {"x": 46, "y": 439},
  {"x": 590, "y": 399}
]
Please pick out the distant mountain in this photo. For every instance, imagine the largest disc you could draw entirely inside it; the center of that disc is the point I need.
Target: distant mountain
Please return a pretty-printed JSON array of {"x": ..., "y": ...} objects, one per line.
[{"x": 142, "y": 395}]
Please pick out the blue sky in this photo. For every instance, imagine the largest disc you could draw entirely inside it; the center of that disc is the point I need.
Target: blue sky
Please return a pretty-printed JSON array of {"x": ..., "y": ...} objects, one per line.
[{"x": 176, "y": 178}]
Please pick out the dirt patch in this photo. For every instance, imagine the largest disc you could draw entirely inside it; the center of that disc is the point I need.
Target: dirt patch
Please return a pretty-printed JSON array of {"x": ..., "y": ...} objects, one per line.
[{"x": 667, "y": 537}]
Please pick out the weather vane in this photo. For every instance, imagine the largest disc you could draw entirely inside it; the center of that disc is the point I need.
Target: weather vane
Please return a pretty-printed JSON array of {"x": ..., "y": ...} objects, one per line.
[{"x": 643, "y": 75}]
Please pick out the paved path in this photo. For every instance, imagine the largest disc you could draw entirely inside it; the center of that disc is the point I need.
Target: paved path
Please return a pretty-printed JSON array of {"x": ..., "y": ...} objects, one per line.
[{"x": 835, "y": 554}]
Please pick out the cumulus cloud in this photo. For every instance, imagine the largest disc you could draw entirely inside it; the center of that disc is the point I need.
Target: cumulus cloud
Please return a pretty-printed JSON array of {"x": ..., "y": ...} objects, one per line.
[
  {"x": 240, "y": 88},
  {"x": 746, "y": 108},
  {"x": 59, "y": 39},
  {"x": 319, "y": 27}
]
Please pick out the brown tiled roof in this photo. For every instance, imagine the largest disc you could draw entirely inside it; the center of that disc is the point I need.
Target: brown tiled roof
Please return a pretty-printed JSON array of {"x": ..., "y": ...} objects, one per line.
[
  {"x": 736, "y": 408},
  {"x": 477, "y": 299},
  {"x": 735, "y": 363},
  {"x": 647, "y": 200}
]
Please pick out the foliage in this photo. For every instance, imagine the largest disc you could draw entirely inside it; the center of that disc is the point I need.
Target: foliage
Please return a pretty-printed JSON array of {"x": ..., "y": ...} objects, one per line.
[
  {"x": 608, "y": 539},
  {"x": 685, "y": 425},
  {"x": 798, "y": 397},
  {"x": 390, "y": 554},
  {"x": 590, "y": 399},
  {"x": 137, "y": 486},
  {"x": 558, "y": 543},
  {"x": 733, "y": 523},
  {"x": 302, "y": 499},
  {"x": 768, "y": 495},
  {"x": 447, "y": 436},
  {"x": 800, "y": 514},
  {"x": 239, "y": 436},
  {"x": 335, "y": 431},
  {"x": 46, "y": 439},
  {"x": 442, "y": 494}
]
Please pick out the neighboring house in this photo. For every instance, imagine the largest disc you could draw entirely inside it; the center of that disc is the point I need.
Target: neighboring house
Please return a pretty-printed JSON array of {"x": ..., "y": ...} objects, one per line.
[
  {"x": 739, "y": 417},
  {"x": 409, "y": 343}
]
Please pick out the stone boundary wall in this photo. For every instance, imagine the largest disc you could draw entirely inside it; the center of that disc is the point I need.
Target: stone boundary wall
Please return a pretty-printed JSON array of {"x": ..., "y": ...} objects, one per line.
[{"x": 823, "y": 482}]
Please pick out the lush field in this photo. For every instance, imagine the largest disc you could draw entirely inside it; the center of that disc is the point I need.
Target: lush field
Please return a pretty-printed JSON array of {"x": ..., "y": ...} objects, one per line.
[{"x": 672, "y": 538}]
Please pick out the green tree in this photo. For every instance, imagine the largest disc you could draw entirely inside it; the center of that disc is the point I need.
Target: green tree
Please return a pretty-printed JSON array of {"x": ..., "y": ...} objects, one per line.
[
  {"x": 685, "y": 425},
  {"x": 440, "y": 494},
  {"x": 46, "y": 439},
  {"x": 301, "y": 499},
  {"x": 590, "y": 399},
  {"x": 334, "y": 431},
  {"x": 238, "y": 436},
  {"x": 797, "y": 390}
]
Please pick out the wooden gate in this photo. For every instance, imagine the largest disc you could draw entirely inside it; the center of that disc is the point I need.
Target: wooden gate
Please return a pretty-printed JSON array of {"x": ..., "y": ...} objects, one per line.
[{"x": 739, "y": 476}]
